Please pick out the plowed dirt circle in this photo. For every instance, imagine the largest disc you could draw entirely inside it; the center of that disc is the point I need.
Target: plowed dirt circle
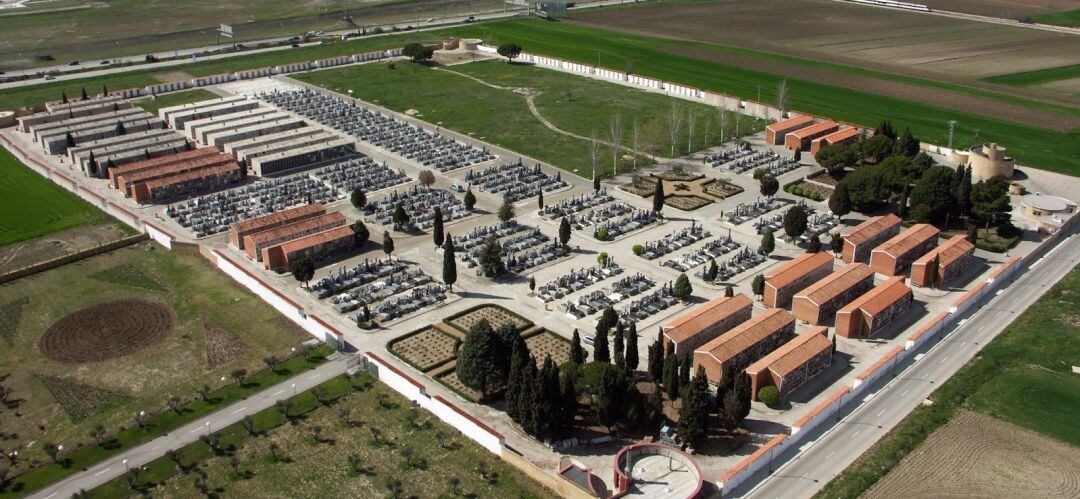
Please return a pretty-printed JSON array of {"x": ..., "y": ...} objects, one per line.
[{"x": 107, "y": 330}]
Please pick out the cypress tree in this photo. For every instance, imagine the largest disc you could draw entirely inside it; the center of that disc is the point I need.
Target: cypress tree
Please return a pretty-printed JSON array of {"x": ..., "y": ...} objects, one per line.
[
  {"x": 84, "y": 96},
  {"x": 682, "y": 289},
  {"x": 595, "y": 182},
  {"x": 814, "y": 246},
  {"x": 685, "y": 367},
  {"x": 63, "y": 97},
  {"x": 758, "y": 285},
  {"x": 577, "y": 353},
  {"x": 437, "y": 227},
  {"x": 506, "y": 211},
  {"x": 742, "y": 391},
  {"x": 671, "y": 376},
  {"x": 658, "y": 196},
  {"x": 631, "y": 348},
  {"x": 568, "y": 404},
  {"x": 470, "y": 199},
  {"x": 656, "y": 360},
  {"x": 600, "y": 346},
  {"x": 70, "y": 139},
  {"x": 564, "y": 231},
  {"x": 518, "y": 357},
  {"x": 836, "y": 244},
  {"x": 617, "y": 346},
  {"x": 711, "y": 271},
  {"x": 542, "y": 407},
  {"x": 694, "y": 415},
  {"x": 540, "y": 199},
  {"x": 527, "y": 400}
]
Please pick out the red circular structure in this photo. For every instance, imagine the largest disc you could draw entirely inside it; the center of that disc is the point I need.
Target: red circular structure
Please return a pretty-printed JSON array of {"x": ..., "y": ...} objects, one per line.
[{"x": 657, "y": 470}]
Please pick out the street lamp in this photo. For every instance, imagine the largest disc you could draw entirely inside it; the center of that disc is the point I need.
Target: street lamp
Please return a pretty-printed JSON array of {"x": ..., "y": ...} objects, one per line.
[
  {"x": 125, "y": 461},
  {"x": 208, "y": 427},
  {"x": 294, "y": 389}
]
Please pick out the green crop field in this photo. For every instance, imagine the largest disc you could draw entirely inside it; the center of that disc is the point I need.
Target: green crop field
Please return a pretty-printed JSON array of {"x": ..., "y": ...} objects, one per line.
[
  {"x": 1069, "y": 18},
  {"x": 571, "y": 103},
  {"x": 33, "y": 206},
  {"x": 151, "y": 105},
  {"x": 1032, "y": 146},
  {"x": 1039, "y": 77},
  {"x": 1023, "y": 376}
]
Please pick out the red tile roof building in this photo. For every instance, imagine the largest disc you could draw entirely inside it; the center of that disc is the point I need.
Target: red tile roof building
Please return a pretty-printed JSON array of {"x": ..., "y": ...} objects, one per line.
[
  {"x": 860, "y": 241},
  {"x": 188, "y": 183},
  {"x": 267, "y": 222},
  {"x": 950, "y": 259},
  {"x": 894, "y": 256},
  {"x": 817, "y": 303},
  {"x": 255, "y": 243},
  {"x": 775, "y": 133},
  {"x": 732, "y": 351},
  {"x": 800, "y": 139},
  {"x": 873, "y": 310},
  {"x": 794, "y": 363},
  {"x": 782, "y": 283},
  {"x": 314, "y": 247},
  {"x": 845, "y": 135},
  {"x": 706, "y": 322},
  {"x": 127, "y": 180},
  {"x": 152, "y": 163}
]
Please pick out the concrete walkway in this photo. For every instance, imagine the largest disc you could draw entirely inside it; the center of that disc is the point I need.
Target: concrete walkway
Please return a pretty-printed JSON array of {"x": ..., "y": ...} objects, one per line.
[{"x": 135, "y": 457}]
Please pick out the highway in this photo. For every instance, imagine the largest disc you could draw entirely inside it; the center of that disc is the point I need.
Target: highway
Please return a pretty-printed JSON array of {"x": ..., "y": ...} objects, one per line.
[{"x": 802, "y": 471}]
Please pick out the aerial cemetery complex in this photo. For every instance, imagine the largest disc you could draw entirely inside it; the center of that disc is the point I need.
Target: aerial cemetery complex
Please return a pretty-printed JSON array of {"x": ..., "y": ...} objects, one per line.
[{"x": 712, "y": 278}]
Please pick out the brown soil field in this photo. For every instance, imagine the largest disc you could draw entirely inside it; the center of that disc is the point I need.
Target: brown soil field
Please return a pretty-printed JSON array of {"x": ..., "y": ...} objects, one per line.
[
  {"x": 851, "y": 34},
  {"x": 976, "y": 455},
  {"x": 107, "y": 330},
  {"x": 941, "y": 98},
  {"x": 1008, "y": 9},
  {"x": 21, "y": 254}
]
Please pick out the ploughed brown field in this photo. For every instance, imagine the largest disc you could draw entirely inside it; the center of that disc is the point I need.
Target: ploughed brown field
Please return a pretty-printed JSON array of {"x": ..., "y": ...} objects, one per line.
[
  {"x": 976, "y": 455},
  {"x": 910, "y": 43},
  {"x": 1008, "y": 9}
]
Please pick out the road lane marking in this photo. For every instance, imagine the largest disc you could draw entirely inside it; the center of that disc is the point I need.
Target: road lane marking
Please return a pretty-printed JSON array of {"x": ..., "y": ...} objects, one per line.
[
  {"x": 880, "y": 413},
  {"x": 195, "y": 430},
  {"x": 238, "y": 411},
  {"x": 278, "y": 392},
  {"x": 830, "y": 455},
  {"x": 902, "y": 395},
  {"x": 853, "y": 435},
  {"x": 944, "y": 359},
  {"x": 106, "y": 470},
  {"x": 50, "y": 495}
]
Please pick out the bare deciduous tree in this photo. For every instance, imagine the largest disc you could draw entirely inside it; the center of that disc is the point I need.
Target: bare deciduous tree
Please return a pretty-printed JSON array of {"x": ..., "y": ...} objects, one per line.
[
  {"x": 782, "y": 96},
  {"x": 594, "y": 153},
  {"x": 738, "y": 118},
  {"x": 690, "y": 130},
  {"x": 616, "y": 138},
  {"x": 723, "y": 123},
  {"x": 673, "y": 125},
  {"x": 635, "y": 142}
]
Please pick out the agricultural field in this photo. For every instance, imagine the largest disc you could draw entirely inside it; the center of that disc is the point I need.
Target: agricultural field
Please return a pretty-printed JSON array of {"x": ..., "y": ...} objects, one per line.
[
  {"x": 151, "y": 105},
  {"x": 93, "y": 342},
  {"x": 34, "y": 206},
  {"x": 1064, "y": 78},
  {"x": 1035, "y": 146},
  {"x": 1006, "y": 9},
  {"x": 368, "y": 443},
  {"x": 488, "y": 100},
  {"x": 89, "y": 31},
  {"x": 1069, "y": 18},
  {"x": 1021, "y": 379}
]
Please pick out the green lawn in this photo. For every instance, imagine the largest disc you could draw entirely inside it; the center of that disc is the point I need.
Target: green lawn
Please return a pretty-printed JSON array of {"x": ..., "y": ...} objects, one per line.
[
  {"x": 1023, "y": 376},
  {"x": 151, "y": 105},
  {"x": 501, "y": 116},
  {"x": 33, "y": 206},
  {"x": 220, "y": 326},
  {"x": 1039, "y": 77},
  {"x": 413, "y": 447},
  {"x": 1069, "y": 18}
]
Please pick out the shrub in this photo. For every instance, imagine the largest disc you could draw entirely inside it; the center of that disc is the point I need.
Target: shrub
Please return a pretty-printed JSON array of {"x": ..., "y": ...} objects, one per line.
[
  {"x": 602, "y": 235},
  {"x": 638, "y": 249},
  {"x": 769, "y": 396}
]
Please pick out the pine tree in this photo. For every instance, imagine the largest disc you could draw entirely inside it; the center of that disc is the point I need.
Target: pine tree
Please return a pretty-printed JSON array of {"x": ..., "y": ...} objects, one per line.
[
  {"x": 836, "y": 244},
  {"x": 631, "y": 348},
  {"x": 903, "y": 203},
  {"x": 814, "y": 246},
  {"x": 491, "y": 259},
  {"x": 729, "y": 292},
  {"x": 577, "y": 353},
  {"x": 694, "y": 415},
  {"x": 564, "y": 231},
  {"x": 358, "y": 198},
  {"x": 840, "y": 200},
  {"x": 449, "y": 268},
  {"x": 437, "y": 227},
  {"x": 671, "y": 376},
  {"x": 506, "y": 211},
  {"x": 795, "y": 221},
  {"x": 658, "y": 196},
  {"x": 470, "y": 199},
  {"x": 757, "y": 286},
  {"x": 617, "y": 346},
  {"x": 361, "y": 234}
]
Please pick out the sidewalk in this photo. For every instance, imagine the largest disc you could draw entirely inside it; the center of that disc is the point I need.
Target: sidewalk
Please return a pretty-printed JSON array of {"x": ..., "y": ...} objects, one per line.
[{"x": 117, "y": 465}]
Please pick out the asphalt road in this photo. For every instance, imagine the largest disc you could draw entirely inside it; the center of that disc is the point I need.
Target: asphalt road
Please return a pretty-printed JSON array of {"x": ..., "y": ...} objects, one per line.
[
  {"x": 117, "y": 465},
  {"x": 817, "y": 461}
]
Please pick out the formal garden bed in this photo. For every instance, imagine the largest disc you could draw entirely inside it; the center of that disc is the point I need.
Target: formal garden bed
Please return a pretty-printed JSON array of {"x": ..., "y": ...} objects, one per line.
[
  {"x": 496, "y": 316},
  {"x": 808, "y": 190},
  {"x": 720, "y": 189},
  {"x": 547, "y": 344},
  {"x": 425, "y": 349}
]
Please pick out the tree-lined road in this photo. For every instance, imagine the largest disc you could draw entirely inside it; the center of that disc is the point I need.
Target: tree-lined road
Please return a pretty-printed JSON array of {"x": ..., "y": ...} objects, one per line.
[{"x": 827, "y": 454}]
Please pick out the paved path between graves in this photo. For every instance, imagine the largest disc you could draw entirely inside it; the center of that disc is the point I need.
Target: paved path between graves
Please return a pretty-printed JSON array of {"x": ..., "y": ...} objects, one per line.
[
  {"x": 536, "y": 113},
  {"x": 135, "y": 457},
  {"x": 828, "y": 454}
]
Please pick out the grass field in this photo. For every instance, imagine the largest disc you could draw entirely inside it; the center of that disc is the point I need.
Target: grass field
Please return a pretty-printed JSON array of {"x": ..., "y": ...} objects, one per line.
[
  {"x": 413, "y": 447},
  {"x": 501, "y": 116},
  {"x": 1030, "y": 78},
  {"x": 1023, "y": 376},
  {"x": 33, "y": 206},
  {"x": 1069, "y": 18},
  {"x": 174, "y": 99},
  {"x": 219, "y": 326},
  {"x": 1032, "y": 146}
]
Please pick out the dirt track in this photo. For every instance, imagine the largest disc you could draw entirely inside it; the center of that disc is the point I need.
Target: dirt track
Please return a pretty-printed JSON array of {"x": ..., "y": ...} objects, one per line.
[
  {"x": 1008, "y": 9},
  {"x": 976, "y": 455},
  {"x": 940, "y": 98}
]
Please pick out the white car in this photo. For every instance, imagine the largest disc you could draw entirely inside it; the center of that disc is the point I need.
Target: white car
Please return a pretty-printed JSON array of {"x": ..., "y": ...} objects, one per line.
[
  {"x": 589, "y": 340},
  {"x": 457, "y": 188}
]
